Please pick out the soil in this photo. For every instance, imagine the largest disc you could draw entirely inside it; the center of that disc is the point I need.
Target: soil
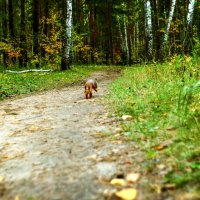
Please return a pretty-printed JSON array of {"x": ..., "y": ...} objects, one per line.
[{"x": 57, "y": 145}]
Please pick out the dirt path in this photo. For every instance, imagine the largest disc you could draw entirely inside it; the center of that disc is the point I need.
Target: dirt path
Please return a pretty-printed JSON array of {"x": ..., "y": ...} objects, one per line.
[{"x": 52, "y": 149}]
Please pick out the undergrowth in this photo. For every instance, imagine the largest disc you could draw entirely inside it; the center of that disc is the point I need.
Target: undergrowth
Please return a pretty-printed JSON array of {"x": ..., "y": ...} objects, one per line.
[{"x": 164, "y": 101}]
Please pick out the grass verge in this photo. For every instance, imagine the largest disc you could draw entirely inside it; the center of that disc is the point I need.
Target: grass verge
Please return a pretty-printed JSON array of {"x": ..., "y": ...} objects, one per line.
[
  {"x": 164, "y": 101},
  {"x": 26, "y": 83}
]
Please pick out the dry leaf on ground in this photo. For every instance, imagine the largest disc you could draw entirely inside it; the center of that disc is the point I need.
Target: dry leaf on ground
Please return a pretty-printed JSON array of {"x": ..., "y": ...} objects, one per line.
[
  {"x": 127, "y": 117},
  {"x": 133, "y": 177},
  {"x": 118, "y": 182},
  {"x": 127, "y": 194}
]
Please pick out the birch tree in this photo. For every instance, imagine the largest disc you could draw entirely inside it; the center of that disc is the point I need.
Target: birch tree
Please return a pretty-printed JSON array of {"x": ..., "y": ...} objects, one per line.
[
  {"x": 149, "y": 30},
  {"x": 126, "y": 40},
  {"x": 188, "y": 43},
  {"x": 65, "y": 62},
  {"x": 166, "y": 34}
]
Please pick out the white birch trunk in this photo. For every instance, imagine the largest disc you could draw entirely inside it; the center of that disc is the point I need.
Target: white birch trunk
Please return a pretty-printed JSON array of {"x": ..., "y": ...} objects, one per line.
[
  {"x": 190, "y": 12},
  {"x": 166, "y": 35},
  {"x": 149, "y": 29},
  {"x": 68, "y": 28},
  {"x": 126, "y": 39},
  {"x": 188, "y": 43}
]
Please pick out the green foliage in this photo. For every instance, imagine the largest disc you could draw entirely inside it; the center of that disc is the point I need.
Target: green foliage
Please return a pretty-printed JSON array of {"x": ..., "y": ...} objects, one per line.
[
  {"x": 188, "y": 99},
  {"x": 164, "y": 102},
  {"x": 8, "y": 48},
  {"x": 196, "y": 48}
]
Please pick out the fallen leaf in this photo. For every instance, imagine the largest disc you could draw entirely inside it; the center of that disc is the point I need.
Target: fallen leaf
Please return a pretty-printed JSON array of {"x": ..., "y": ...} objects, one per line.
[
  {"x": 163, "y": 145},
  {"x": 1, "y": 179},
  {"x": 5, "y": 156},
  {"x": 117, "y": 142},
  {"x": 128, "y": 162},
  {"x": 127, "y": 194},
  {"x": 161, "y": 166},
  {"x": 92, "y": 157},
  {"x": 159, "y": 147},
  {"x": 33, "y": 128},
  {"x": 127, "y": 117},
  {"x": 133, "y": 177},
  {"x": 16, "y": 197},
  {"x": 118, "y": 182}
]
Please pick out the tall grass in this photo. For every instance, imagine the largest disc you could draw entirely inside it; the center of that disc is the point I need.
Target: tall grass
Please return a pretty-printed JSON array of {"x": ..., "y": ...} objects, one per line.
[{"x": 164, "y": 100}]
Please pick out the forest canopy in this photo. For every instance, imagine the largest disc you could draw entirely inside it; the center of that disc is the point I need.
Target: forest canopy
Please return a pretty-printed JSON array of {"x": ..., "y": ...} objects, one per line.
[{"x": 37, "y": 33}]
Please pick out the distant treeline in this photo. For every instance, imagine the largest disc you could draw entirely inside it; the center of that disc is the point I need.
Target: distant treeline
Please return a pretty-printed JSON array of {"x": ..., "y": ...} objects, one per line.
[{"x": 34, "y": 32}]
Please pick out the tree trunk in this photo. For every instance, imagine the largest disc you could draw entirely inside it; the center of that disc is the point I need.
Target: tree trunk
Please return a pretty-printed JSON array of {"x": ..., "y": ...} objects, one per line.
[
  {"x": 109, "y": 36},
  {"x": 65, "y": 62},
  {"x": 92, "y": 26},
  {"x": 149, "y": 30},
  {"x": 188, "y": 41},
  {"x": 4, "y": 30},
  {"x": 23, "y": 52},
  {"x": 126, "y": 40},
  {"x": 45, "y": 26},
  {"x": 11, "y": 26},
  {"x": 10, "y": 22},
  {"x": 129, "y": 32},
  {"x": 155, "y": 29},
  {"x": 36, "y": 30},
  {"x": 166, "y": 35}
]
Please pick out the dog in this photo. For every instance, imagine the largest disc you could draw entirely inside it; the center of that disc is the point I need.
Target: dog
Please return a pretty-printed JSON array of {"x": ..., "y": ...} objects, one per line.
[{"x": 89, "y": 86}]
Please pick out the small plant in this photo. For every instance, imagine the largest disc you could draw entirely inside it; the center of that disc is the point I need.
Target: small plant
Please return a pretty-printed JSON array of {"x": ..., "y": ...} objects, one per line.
[{"x": 185, "y": 97}]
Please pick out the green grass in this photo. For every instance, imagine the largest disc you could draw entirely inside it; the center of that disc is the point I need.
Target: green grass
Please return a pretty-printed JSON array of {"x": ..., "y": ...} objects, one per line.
[
  {"x": 164, "y": 100},
  {"x": 26, "y": 83}
]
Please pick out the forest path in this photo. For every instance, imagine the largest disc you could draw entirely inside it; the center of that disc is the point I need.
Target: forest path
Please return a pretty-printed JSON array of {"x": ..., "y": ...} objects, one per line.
[{"x": 52, "y": 146}]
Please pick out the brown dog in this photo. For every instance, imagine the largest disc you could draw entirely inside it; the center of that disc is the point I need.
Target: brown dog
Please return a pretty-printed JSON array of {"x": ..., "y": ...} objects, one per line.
[{"x": 89, "y": 86}]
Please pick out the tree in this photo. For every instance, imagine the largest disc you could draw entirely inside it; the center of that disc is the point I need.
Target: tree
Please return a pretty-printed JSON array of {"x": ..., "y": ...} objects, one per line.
[
  {"x": 166, "y": 34},
  {"x": 4, "y": 30},
  {"x": 23, "y": 51},
  {"x": 129, "y": 31},
  {"x": 188, "y": 41},
  {"x": 65, "y": 62},
  {"x": 36, "y": 31},
  {"x": 149, "y": 30}
]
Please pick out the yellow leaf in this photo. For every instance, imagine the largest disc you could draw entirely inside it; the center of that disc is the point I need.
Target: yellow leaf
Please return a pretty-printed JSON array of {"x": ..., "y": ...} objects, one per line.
[
  {"x": 118, "y": 181},
  {"x": 16, "y": 197},
  {"x": 132, "y": 177},
  {"x": 159, "y": 147},
  {"x": 127, "y": 194},
  {"x": 1, "y": 179},
  {"x": 34, "y": 128},
  {"x": 127, "y": 117},
  {"x": 5, "y": 156}
]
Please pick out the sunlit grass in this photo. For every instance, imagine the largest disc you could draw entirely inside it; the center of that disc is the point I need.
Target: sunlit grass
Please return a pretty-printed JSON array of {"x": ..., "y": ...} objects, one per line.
[{"x": 164, "y": 100}]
